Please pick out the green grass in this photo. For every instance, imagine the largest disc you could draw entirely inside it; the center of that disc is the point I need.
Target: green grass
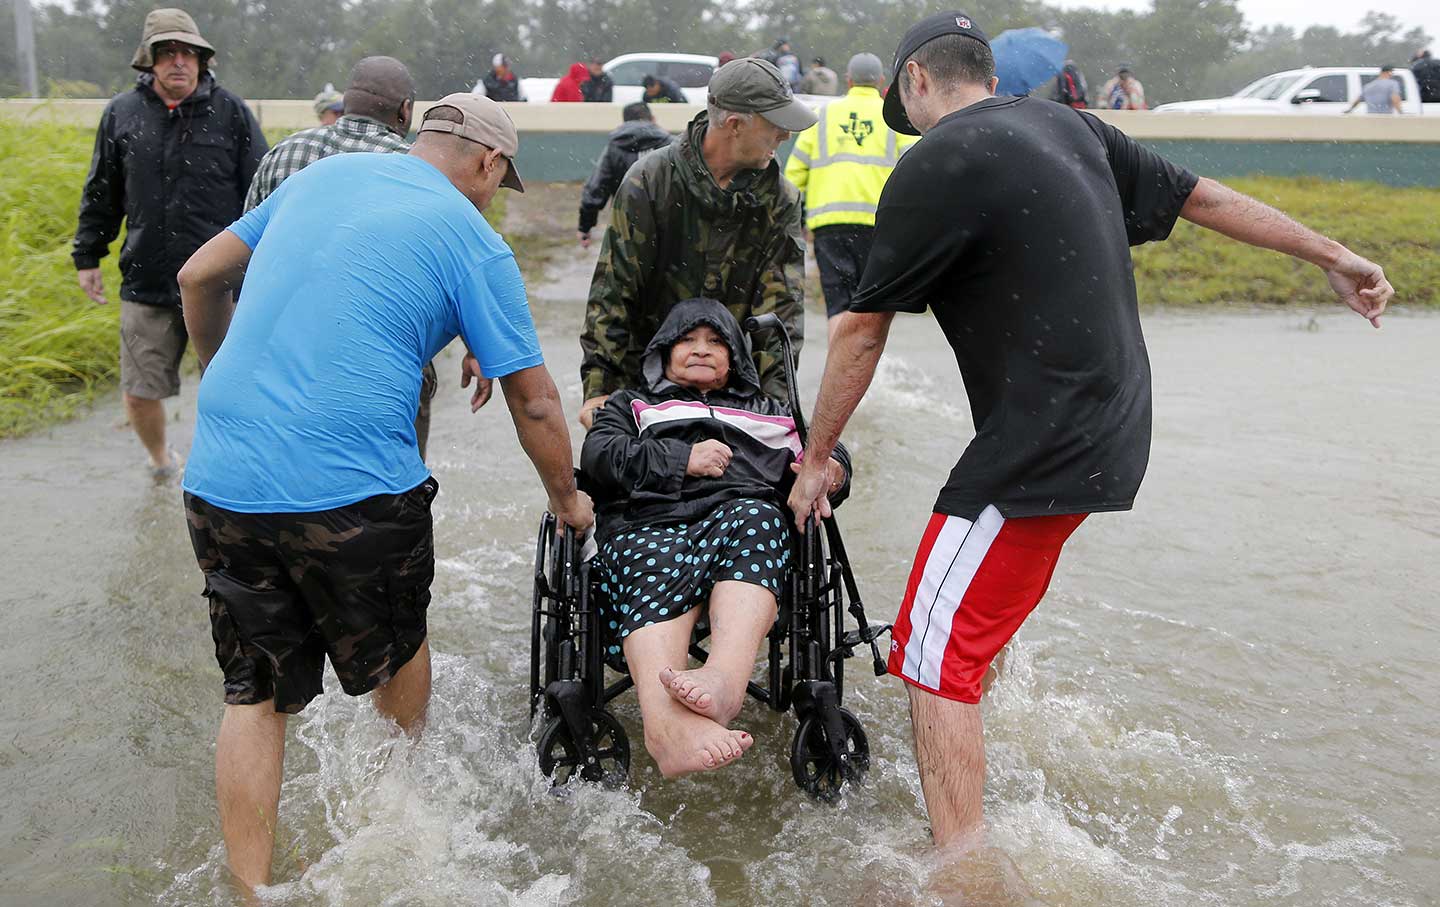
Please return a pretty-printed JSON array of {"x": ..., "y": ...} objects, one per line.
[
  {"x": 1395, "y": 227},
  {"x": 58, "y": 350}
]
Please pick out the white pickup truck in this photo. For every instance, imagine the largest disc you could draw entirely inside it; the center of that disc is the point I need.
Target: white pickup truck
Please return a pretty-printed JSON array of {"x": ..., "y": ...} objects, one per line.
[
  {"x": 689, "y": 71},
  {"x": 1312, "y": 91}
]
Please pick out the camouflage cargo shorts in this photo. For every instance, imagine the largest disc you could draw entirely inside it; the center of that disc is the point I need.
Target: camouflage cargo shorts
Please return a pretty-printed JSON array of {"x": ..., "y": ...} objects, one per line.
[{"x": 286, "y": 590}]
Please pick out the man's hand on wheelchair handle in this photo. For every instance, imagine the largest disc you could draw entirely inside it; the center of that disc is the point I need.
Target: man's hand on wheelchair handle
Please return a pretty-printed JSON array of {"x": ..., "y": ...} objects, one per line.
[
  {"x": 470, "y": 368},
  {"x": 709, "y": 459},
  {"x": 810, "y": 495},
  {"x": 578, "y": 513}
]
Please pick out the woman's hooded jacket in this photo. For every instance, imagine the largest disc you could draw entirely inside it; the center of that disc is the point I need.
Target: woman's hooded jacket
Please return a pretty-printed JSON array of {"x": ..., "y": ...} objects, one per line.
[{"x": 634, "y": 458}]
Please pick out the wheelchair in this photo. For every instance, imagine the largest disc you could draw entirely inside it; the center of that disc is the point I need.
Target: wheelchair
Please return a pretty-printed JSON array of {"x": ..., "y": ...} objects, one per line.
[{"x": 807, "y": 649}]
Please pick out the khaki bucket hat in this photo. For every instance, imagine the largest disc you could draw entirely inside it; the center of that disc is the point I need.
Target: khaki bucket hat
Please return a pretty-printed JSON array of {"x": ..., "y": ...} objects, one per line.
[{"x": 168, "y": 25}]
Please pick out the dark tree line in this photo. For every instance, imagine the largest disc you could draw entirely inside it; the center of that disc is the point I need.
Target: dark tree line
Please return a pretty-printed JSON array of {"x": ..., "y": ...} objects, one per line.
[{"x": 290, "y": 48}]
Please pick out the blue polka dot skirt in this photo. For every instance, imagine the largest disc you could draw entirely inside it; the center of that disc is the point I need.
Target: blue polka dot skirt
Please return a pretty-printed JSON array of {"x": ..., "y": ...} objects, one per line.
[{"x": 658, "y": 573}]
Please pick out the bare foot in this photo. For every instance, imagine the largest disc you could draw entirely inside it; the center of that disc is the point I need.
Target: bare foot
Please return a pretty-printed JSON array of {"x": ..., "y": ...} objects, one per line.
[
  {"x": 704, "y": 692},
  {"x": 691, "y": 743}
]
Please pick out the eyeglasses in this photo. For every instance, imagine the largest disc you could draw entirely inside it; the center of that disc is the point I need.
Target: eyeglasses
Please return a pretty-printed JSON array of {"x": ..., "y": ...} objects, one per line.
[{"x": 165, "y": 52}]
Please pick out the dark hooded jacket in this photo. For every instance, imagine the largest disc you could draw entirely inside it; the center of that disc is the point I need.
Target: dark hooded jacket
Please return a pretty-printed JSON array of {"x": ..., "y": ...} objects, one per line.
[
  {"x": 1427, "y": 74},
  {"x": 501, "y": 89},
  {"x": 626, "y": 145},
  {"x": 598, "y": 89},
  {"x": 634, "y": 459},
  {"x": 176, "y": 177},
  {"x": 670, "y": 93}
]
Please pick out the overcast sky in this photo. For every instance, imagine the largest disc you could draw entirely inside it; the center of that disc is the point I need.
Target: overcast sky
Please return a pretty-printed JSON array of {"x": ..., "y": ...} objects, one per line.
[{"x": 1301, "y": 13}]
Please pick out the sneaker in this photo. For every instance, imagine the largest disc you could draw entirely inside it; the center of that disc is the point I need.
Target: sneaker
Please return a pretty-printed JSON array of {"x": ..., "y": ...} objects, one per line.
[{"x": 163, "y": 474}]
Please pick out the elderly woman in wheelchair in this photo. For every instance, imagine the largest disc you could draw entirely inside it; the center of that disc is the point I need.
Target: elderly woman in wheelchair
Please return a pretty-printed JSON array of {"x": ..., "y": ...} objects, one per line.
[{"x": 689, "y": 478}]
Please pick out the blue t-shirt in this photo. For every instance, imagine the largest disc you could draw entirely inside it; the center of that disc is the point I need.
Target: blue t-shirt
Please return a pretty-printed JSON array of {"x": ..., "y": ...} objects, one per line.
[{"x": 364, "y": 267}]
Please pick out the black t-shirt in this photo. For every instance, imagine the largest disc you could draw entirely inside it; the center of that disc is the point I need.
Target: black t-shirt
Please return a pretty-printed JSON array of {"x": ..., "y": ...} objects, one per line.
[{"x": 1012, "y": 220}]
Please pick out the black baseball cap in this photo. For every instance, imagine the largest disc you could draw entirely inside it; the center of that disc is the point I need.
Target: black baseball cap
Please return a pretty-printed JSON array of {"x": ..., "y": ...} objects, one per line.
[{"x": 921, "y": 33}]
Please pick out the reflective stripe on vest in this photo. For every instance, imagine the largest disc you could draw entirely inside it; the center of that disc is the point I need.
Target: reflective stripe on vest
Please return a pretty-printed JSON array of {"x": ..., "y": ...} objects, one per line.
[{"x": 843, "y": 207}]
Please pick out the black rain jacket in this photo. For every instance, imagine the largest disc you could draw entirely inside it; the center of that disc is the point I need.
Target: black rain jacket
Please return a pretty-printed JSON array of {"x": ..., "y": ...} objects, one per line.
[
  {"x": 626, "y": 146},
  {"x": 176, "y": 177},
  {"x": 634, "y": 458},
  {"x": 598, "y": 89}
]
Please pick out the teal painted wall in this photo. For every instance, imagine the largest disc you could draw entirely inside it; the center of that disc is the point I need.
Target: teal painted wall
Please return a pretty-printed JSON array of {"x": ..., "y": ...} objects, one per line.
[
  {"x": 570, "y": 156},
  {"x": 1391, "y": 163}
]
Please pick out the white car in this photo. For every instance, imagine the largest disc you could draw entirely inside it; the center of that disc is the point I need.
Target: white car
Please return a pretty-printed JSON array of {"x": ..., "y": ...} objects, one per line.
[
  {"x": 689, "y": 71},
  {"x": 1313, "y": 91}
]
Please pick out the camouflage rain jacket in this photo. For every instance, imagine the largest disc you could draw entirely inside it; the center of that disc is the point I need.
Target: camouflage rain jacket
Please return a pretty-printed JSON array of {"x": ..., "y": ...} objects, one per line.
[{"x": 675, "y": 234}]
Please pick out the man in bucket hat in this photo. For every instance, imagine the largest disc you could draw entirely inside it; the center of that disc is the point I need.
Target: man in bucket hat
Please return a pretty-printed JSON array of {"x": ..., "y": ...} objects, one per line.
[
  {"x": 307, "y": 501},
  {"x": 173, "y": 157},
  {"x": 1047, "y": 337},
  {"x": 709, "y": 216}
]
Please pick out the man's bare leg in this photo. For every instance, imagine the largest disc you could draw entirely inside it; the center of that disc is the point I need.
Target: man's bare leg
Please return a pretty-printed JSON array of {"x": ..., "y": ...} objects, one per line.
[
  {"x": 741, "y": 614},
  {"x": 679, "y": 740},
  {"x": 249, "y": 760},
  {"x": 405, "y": 697},
  {"x": 147, "y": 417},
  {"x": 950, "y": 752}
]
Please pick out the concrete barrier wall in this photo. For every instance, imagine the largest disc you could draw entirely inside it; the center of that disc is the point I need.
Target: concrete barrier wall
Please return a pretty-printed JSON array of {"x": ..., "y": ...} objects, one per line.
[{"x": 562, "y": 141}]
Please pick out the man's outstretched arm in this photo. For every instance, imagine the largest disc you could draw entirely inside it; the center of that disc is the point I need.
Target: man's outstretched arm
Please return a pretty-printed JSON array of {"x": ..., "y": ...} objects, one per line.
[
  {"x": 1358, "y": 282},
  {"x": 849, "y": 367}
]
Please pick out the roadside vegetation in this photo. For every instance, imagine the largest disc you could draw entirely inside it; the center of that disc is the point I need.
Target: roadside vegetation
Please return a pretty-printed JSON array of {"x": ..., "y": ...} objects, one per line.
[
  {"x": 58, "y": 350},
  {"x": 1395, "y": 227}
]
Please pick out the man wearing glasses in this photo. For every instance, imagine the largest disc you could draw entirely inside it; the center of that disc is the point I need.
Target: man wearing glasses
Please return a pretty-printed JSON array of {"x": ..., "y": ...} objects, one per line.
[{"x": 173, "y": 157}]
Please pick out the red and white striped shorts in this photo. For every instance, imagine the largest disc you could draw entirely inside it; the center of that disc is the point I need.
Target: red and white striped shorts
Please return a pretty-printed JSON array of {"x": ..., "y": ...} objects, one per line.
[{"x": 972, "y": 586}]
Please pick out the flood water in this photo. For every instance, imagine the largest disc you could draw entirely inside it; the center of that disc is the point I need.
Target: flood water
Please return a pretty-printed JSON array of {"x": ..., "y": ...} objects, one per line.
[{"x": 1229, "y": 696}]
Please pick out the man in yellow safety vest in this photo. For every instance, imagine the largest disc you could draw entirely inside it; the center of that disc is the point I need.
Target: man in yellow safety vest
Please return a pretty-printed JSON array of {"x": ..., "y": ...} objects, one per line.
[{"x": 841, "y": 164}]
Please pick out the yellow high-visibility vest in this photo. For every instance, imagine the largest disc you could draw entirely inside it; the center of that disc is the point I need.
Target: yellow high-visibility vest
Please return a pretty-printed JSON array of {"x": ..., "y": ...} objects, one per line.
[{"x": 842, "y": 162}]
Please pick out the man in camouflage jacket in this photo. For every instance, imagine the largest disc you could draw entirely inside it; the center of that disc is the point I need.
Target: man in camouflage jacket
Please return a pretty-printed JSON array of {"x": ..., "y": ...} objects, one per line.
[{"x": 710, "y": 216}]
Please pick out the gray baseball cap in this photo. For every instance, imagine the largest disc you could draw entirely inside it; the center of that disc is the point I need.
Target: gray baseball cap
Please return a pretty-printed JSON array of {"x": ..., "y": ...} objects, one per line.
[
  {"x": 485, "y": 123},
  {"x": 751, "y": 85},
  {"x": 865, "y": 69}
]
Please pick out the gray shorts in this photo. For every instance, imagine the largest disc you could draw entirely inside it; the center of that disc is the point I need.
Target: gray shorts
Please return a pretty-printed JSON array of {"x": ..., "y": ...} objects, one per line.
[{"x": 152, "y": 340}]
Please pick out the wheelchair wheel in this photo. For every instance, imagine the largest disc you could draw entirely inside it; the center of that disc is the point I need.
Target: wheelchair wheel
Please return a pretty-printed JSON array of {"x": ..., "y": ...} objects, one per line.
[
  {"x": 561, "y": 760},
  {"x": 813, "y": 763}
]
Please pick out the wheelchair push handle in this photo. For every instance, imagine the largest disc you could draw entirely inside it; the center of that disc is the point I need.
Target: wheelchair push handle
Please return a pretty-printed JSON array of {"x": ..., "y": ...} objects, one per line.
[{"x": 771, "y": 322}]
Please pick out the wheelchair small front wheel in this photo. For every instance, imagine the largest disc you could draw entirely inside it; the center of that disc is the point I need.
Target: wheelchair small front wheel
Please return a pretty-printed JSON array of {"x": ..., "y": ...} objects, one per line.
[
  {"x": 814, "y": 762},
  {"x": 561, "y": 759}
]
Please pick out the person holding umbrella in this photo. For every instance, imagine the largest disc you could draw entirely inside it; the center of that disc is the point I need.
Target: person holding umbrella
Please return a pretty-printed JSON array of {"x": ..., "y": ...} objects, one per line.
[{"x": 1026, "y": 58}]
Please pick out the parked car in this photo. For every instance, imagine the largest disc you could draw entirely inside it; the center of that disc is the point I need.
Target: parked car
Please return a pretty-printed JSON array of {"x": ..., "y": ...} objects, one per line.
[
  {"x": 690, "y": 71},
  {"x": 1312, "y": 91}
]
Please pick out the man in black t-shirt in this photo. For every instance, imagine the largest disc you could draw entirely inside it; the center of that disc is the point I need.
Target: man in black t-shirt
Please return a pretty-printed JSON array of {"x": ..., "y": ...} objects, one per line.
[{"x": 1012, "y": 221}]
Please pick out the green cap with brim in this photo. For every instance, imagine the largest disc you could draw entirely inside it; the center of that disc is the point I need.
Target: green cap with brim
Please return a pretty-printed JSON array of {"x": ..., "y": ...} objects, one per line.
[
  {"x": 751, "y": 85},
  {"x": 163, "y": 25}
]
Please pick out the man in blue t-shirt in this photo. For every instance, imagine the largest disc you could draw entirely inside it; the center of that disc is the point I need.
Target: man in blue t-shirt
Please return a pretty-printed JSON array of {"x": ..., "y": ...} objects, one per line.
[{"x": 307, "y": 500}]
